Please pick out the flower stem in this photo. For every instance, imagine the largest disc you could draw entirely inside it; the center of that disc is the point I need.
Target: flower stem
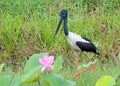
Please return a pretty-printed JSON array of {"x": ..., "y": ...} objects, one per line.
[{"x": 78, "y": 73}]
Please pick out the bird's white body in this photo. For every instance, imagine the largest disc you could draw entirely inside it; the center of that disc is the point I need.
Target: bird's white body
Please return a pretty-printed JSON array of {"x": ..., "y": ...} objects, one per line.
[{"x": 72, "y": 38}]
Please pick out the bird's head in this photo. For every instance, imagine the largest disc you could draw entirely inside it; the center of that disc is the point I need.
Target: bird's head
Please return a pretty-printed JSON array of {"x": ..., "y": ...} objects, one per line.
[{"x": 63, "y": 16}]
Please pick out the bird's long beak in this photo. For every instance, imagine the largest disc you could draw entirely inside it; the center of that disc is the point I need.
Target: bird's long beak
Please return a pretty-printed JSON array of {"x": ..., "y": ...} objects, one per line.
[{"x": 59, "y": 23}]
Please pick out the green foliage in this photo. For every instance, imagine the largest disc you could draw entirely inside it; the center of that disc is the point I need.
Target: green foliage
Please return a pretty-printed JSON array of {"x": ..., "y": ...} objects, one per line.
[
  {"x": 10, "y": 80},
  {"x": 57, "y": 80},
  {"x": 106, "y": 81},
  {"x": 10, "y": 31}
]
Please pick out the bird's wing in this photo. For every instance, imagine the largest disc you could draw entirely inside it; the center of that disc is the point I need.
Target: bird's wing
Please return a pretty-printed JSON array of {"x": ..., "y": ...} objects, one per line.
[
  {"x": 88, "y": 47},
  {"x": 86, "y": 38}
]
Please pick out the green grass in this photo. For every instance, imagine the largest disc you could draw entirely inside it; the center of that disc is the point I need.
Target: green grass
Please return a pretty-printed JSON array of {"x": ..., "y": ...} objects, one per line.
[{"x": 27, "y": 27}]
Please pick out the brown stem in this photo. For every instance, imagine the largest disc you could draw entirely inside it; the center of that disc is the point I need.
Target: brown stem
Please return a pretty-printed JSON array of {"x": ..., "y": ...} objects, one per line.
[{"x": 78, "y": 73}]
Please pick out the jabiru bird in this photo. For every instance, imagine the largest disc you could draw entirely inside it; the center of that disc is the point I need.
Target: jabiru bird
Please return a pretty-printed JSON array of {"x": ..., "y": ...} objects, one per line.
[{"x": 76, "y": 42}]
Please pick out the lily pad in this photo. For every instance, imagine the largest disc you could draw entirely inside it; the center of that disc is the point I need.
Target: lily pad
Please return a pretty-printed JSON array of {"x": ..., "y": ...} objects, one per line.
[
  {"x": 57, "y": 64},
  {"x": 31, "y": 76},
  {"x": 57, "y": 80},
  {"x": 33, "y": 62},
  {"x": 105, "y": 81},
  {"x": 10, "y": 80},
  {"x": 32, "y": 69}
]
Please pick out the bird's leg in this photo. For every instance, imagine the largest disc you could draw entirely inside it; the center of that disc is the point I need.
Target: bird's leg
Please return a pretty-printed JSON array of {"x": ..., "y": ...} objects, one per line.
[
  {"x": 78, "y": 72},
  {"x": 76, "y": 62},
  {"x": 76, "y": 59}
]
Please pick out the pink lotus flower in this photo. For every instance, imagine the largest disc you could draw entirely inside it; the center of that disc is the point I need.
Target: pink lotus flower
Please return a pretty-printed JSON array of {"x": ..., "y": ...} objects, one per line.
[{"x": 47, "y": 62}]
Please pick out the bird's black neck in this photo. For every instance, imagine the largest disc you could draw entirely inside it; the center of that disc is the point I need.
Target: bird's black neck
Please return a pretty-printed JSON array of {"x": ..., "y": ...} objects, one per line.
[{"x": 65, "y": 27}]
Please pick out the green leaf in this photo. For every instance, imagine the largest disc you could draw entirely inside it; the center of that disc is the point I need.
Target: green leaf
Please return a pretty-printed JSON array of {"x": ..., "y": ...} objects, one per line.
[
  {"x": 105, "y": 81},
  {"x": 56, "y": 80},
  {"x": 57, "y": 64},
  {"x": 32, "y": 76},
  {"x": 1, "y": 67},
  {"x": 33, "y": 62},
  {"x": 10, "y": 80},
  {"x": 87, "y": 65}
]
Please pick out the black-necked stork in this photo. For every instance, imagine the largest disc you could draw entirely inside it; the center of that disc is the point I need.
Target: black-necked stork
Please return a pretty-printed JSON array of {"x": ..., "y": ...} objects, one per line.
[{"x": 76, "y": 42}]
